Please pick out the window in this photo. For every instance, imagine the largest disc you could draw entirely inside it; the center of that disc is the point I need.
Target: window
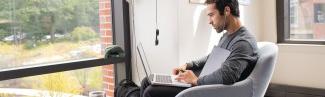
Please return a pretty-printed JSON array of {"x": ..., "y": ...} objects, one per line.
[
  {"x": 301, "y": 21},
  {"x": 45, "y": 40}
]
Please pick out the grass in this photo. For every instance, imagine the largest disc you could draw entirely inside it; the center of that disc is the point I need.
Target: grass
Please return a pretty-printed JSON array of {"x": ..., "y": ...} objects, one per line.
[
  {"x": 16, "y": 55},
  {"x": 60, "y": 82}
]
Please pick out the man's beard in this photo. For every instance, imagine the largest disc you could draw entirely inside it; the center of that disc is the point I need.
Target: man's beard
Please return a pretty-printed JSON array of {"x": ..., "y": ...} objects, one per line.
[
  {"x": 220, "y": 29},
  {"x": 223, "y": 27}
]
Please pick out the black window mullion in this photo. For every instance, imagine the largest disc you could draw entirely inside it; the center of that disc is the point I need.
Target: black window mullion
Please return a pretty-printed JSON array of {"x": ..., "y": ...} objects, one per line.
[
  {"x": 51, "y": 68},
  {"x": 121, "y": 29},
  {"x": 283, "y": 20}
]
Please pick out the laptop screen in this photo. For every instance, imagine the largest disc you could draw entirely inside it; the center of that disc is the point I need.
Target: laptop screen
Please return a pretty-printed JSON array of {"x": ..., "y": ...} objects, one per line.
[{"x": 143, "y": 59}]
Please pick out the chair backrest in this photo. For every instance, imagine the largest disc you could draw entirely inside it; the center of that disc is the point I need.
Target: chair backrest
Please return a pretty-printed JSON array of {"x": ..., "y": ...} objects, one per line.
[{"x": 262, "y": 73}]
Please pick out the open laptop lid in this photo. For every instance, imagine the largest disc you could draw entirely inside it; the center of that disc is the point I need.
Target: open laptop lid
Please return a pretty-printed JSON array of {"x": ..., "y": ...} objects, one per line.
[
  {"x": 143, "y": 56},
  {"x": 149, "y": 75}
]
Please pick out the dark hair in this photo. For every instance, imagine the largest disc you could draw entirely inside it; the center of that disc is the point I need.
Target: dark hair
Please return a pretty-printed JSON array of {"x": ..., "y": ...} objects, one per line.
[{"x": 221, "y": 4}]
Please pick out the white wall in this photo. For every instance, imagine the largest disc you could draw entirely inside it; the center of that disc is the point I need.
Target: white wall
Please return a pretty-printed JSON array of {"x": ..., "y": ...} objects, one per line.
[
  {"x": 250, "y": 17},
  {"x": 196, "y": 36},
  {"x": 165, "y": 55},
  {"x": 185, "y": 34}
]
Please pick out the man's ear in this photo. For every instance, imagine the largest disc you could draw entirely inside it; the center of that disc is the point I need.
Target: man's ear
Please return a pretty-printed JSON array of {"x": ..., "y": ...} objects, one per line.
[{"x": 227, "y": 11}]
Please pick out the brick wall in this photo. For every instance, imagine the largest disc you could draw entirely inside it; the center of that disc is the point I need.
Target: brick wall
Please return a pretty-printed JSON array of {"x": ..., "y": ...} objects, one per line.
[{"x": 105, "y": 24}]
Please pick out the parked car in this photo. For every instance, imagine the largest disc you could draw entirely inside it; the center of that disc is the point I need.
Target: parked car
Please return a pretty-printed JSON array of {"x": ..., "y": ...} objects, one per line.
[
  {"x": 48, "y": 37},
  {"x": 12, "y": 38}
]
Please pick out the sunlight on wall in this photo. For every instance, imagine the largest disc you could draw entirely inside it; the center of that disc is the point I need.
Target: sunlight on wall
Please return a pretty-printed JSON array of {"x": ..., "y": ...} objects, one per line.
[
  {"x": 242, "y": 14},
  {"x": 199, "y": 14}
]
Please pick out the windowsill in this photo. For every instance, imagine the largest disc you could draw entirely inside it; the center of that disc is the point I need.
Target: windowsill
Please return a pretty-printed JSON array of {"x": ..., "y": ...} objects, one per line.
[
  {"x": 306, "y": 45},
  {"x": 301, "y": 48}
]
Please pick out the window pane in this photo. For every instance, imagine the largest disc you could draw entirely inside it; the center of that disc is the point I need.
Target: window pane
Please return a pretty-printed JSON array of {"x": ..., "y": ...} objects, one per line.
[
  {"x": 49, "y": 31},
  {"x": 35, "y": 32},
  {"x": 77, "y": 83},
  {"x": 307, "y": 20}
]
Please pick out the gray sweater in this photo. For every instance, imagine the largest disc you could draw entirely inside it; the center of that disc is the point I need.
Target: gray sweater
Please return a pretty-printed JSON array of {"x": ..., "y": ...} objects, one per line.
[{"x": 237, "y": 66}]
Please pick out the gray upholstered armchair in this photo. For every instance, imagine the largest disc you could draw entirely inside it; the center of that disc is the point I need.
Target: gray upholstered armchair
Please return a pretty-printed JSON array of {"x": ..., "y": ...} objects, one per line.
[{"x": 254, "y": 85}]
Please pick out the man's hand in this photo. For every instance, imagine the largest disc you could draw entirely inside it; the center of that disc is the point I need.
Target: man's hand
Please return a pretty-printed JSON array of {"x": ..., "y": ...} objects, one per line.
[
  {"x": 178, "y": 69},
  {"x": 188, "y": 77}
]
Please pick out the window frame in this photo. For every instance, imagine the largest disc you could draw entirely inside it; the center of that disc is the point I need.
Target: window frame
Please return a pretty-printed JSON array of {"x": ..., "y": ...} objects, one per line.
[
  {"x": 283, "y": 25},
  {"x": 121, "y": 37}
]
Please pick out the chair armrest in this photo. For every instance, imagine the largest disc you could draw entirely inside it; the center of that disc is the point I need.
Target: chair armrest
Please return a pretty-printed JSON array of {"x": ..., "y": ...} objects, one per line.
[{"x": 239, "y": 89}]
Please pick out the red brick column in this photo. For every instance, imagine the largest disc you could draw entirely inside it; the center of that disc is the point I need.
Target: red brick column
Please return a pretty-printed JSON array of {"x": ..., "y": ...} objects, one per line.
[
  {"x": 108, "y": 78},
  {"x": 105, "y": 24}
]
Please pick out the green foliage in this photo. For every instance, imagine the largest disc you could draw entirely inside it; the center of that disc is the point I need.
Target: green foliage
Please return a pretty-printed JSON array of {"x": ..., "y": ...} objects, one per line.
[
  {"x": 91, "y": 78},
  {"x": 3, "y": 34},
  {"x": 96, "y": 78},
  {"x": 4, "y": 28},
  {"x": 83, "y": 33},
  {"x": 29, "y": 44},
  {"x": 38, "y": 18},
  {"x": 60, "y": 82}
]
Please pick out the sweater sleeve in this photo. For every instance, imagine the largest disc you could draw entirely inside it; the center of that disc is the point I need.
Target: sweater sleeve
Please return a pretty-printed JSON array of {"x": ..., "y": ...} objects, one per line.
[
  {"x": 231, "y": 69},
  {"x": 197, "y": 64}
]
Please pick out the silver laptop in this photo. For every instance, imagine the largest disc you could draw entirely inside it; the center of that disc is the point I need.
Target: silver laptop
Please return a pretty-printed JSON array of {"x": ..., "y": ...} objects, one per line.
[
  {"x": 214, "y": 62},
  {"x": 158, "y": 79}
]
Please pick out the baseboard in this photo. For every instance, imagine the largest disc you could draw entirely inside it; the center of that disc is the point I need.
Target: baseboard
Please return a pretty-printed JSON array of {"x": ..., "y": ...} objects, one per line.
[{"x": 280, "y": 90}]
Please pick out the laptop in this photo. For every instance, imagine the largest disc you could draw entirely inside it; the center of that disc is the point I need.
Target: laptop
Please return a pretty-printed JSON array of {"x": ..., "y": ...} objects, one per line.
[
  {"x": 158, "y": 79},
  {"x": 214, "y": 62}
]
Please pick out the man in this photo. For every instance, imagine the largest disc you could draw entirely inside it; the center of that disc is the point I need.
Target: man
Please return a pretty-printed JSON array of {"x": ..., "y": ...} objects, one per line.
[{"x": 223, "y": 15}]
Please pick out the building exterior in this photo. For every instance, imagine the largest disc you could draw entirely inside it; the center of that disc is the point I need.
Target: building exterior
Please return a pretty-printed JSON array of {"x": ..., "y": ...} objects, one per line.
[
  {"x": 307, "y": 19},
  {"x": 106, "y": 36}
]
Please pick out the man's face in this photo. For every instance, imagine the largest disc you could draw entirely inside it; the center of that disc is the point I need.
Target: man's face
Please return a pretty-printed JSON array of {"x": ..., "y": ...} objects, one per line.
[{"x": 215, "y": 19}]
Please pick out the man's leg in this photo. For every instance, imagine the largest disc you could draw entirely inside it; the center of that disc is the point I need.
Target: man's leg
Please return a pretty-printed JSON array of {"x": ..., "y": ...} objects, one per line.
[
  {"x": 147, "y": 90},
  {"x": 144, "y": 84},
  {"x": 162, "y": 91}
]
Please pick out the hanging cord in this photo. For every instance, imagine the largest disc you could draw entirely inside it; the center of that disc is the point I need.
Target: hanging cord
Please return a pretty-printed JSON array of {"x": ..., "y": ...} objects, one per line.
[
  {"x": 157, "y": 29},
  {"x": 156, "y": 14}
]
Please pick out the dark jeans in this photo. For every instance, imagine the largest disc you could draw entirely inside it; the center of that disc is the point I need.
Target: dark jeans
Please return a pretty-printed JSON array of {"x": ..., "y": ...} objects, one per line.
[{"x": 148, "y": 90}]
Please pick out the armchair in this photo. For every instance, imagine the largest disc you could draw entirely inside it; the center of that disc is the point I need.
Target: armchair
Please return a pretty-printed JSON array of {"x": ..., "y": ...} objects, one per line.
[{"x": 254, "y": 85}]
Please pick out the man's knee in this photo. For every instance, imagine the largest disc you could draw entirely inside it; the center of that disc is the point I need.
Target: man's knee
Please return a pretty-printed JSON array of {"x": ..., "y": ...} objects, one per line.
[
  {"x": 145, "y": 82},
  {"x": 149, "y": 91}
]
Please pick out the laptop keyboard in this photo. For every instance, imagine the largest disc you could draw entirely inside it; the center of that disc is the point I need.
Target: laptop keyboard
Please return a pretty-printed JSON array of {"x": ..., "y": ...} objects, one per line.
[{"x": 164, "y": 78}]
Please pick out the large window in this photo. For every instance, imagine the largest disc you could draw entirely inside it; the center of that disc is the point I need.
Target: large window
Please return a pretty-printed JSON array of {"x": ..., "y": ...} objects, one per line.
[
  {"x": 56, "y": 47},
  {"x": 301, "y": 21}
]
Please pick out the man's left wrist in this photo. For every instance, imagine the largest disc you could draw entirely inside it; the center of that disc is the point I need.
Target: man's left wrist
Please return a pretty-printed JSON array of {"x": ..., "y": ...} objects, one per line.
[{"x": 194, "y": 83}]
